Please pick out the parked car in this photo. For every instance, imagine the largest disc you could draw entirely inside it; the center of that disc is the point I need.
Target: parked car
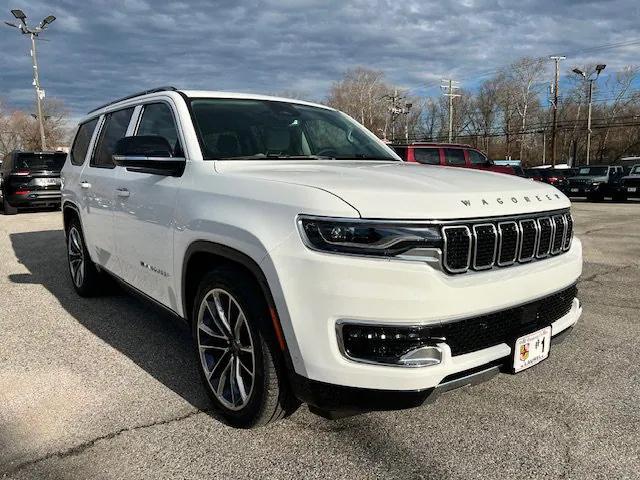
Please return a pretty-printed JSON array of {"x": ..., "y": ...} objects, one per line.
[
  {"x": 630, "y": 184},
  {"x": 311, "y": 263},
  {"x": 30, "y": 179},
  {"x": 449, "y": 154},
  {"x": 551, "y": 176},
  {"x": 596, "y": 182}
]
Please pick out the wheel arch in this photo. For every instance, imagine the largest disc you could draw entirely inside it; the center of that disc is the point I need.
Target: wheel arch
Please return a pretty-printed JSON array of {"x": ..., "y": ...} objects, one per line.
[
  {"x": 201, "y": 256},
  {"x": 69, "y": 211}
]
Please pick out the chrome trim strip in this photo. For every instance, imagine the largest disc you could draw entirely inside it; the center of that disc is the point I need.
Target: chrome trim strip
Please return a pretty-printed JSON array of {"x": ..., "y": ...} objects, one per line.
[
  {"x": 444, "y": 239},
  {"x": 567, "y": 245},
  {"x": 475, "y": 246},
  {"x": 515, "y": 256}
]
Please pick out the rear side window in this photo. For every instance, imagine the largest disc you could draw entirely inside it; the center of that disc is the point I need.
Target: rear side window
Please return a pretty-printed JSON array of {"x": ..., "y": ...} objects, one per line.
[
  {"x": 81, "y": 142},
  {"x": 115, "y": 127},
  {"x": 430, "y": 156},
  {"x": 477, "y": 158},
  {"x": 157, "y": 119},
  {"x": 454, "y": 156}
]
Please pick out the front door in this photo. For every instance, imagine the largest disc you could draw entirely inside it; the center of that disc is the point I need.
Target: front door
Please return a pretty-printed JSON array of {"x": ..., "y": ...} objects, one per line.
[
  {"x": 98, "y": 188},
  {"x": 144, "y": 215}
]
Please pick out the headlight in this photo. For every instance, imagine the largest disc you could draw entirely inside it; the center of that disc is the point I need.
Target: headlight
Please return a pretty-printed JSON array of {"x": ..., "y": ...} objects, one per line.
[
  {"x": 595, "y": 184},
  {"x": 366, "y": 237}
]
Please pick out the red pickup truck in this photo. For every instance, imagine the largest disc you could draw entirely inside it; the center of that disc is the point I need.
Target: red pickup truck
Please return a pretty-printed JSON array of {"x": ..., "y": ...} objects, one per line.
[{"x": 451, "y": 155}]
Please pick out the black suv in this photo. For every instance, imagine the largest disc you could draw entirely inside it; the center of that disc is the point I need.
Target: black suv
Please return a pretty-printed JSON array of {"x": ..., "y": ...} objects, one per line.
[
  {"x": 596, "y": 182},
  {"x": 30, "y": 179}
]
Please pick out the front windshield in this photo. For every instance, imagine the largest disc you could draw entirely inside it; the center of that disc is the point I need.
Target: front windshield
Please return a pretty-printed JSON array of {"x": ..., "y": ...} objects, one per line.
[
  {"x": 239, "y": 129},
  {"x": 593, "y": 171},
  {"x": 635, "y": 170}
]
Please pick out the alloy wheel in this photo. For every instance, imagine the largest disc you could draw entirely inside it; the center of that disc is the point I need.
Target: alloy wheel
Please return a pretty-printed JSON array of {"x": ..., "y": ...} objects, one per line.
[
  {"x": 226, "y": 349},
  {"x": 76, "y": 256}
]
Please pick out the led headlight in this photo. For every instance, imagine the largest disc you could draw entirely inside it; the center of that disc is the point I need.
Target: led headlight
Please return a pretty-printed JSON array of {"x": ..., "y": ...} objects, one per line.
[{"x": 366, "y": 237}]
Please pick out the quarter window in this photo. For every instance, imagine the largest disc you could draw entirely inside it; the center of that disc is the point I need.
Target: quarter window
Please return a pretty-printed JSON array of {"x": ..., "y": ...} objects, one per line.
[
  {"x": 81, "y": 143},
  {"x": 157, "y": 119},
  {"x": 115, "y": 127},
  {"x": 454, "y": 156},
  {"x": 477, "y": 158},
  {"x": 430, "y": 156}
]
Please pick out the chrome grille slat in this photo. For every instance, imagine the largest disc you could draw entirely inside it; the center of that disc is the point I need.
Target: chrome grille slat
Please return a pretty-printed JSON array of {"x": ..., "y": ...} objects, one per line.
[{"x": 495, "y": 244}]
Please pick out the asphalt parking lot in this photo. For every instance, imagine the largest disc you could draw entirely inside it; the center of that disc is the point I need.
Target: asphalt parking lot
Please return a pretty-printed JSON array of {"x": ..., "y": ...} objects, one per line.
[{"x": 107, "y": 388}]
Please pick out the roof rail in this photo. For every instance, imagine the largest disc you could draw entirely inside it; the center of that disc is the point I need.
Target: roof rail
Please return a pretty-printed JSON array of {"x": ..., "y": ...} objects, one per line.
[{"x": 139, "y": 94}]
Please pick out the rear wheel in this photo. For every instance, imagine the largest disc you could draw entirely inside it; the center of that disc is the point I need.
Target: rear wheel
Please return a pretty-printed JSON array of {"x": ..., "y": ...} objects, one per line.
[
  {"x": 7, "y": 208},
  {"x": 239, "y": 363},
  {"x": 86, "y": 278}
]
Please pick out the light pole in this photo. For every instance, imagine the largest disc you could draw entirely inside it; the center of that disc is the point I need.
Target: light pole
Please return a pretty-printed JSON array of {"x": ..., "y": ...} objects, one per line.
[
  {"x": 33, "y": 33},
  {"x": 590, "y": 79}
]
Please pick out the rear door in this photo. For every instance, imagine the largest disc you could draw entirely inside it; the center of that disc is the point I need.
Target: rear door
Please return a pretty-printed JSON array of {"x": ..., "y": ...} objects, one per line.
[
  {"x": 144, "y": 212},
  {"x": 427, "y": 155},
  {"x": 98, "y": 187},
  {"x": 70, "y": 175}
]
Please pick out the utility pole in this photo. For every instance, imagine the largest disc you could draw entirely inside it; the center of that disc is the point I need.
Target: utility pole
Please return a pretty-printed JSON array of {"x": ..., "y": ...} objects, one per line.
[
  {"x": 396, "y": 110},
  {"x": 448, "y": 89},
  {"x": 33, "y": 33},
  {"x": 554, "y": 103},
  {"x": 599, "y": 68}
]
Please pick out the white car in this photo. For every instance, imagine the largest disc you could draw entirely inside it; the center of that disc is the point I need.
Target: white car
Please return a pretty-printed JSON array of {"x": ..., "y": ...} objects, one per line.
[{"x": 312, "y": 264}]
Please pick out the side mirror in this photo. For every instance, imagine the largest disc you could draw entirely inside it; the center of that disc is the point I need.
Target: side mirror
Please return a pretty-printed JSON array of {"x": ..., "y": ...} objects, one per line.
[{"x": 148, "y": 154}]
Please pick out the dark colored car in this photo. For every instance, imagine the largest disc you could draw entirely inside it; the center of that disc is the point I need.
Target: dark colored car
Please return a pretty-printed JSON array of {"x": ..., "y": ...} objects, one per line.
[
  {"x": 552, "y": 176},
  {"x": 596, "y": 182},
  {"x": 450, "y": 155},
  {"x": 30, "y": 179},
  {"x": 630, "y": 184}
]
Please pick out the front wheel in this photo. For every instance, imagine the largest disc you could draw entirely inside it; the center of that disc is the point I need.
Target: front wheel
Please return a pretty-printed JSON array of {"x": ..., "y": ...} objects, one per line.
[{"x": 239, "y": 364}]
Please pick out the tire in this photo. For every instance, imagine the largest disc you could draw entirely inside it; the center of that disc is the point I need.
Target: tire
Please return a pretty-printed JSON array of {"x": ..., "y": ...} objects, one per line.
[
  {"x": 259, "y": 392},
  {"x": 595, "y": 197},
  {"x": 85, "y": 277},
  {"x": 7, "y": 208},
  {"x": 620, "y": 197}
]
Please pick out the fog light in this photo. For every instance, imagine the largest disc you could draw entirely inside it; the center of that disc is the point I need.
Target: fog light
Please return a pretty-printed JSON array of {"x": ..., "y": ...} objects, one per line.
[{"x": 408, "y": 346}]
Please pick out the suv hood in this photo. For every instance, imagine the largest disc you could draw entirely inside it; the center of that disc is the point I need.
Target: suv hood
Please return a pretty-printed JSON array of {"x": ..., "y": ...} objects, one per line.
[{"x": 399, "y": 190}]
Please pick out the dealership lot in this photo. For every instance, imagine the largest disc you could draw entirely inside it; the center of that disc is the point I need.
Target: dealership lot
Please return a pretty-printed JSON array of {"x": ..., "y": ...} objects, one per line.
[{"x": 107, "y": 387}]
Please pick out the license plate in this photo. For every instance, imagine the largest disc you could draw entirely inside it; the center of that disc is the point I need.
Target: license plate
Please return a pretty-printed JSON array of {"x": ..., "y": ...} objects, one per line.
[
  {"x": 631, "y": 189},
  {"x": 531, "y": 349},
  {"x": 47, "y": 182},
  {"x": 575, "y": 190}
]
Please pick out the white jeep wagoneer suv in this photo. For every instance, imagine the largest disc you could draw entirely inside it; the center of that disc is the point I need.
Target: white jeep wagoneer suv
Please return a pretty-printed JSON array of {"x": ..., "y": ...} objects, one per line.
[{"x": 312, "y": 264}]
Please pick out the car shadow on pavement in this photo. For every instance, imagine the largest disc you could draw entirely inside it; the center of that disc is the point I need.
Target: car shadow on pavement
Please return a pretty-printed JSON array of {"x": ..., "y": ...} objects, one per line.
[{"x": 154, "y": 340}]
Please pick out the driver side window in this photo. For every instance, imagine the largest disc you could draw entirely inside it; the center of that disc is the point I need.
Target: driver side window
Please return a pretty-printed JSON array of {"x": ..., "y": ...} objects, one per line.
[{"x": 157, "y": 119}]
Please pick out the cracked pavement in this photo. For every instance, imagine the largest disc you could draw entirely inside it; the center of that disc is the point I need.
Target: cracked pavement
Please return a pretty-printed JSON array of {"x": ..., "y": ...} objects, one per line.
[{"x": 107, "y": 388}]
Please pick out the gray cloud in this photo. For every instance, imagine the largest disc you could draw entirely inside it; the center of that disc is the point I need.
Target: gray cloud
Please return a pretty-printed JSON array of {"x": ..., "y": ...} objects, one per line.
[{"x": 100, "y": 50}]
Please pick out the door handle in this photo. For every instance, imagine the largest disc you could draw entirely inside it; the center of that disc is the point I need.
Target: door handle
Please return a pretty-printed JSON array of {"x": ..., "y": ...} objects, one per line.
[
  {"x": 85, "y": 185},
  {"x": 122, "y": 192}
]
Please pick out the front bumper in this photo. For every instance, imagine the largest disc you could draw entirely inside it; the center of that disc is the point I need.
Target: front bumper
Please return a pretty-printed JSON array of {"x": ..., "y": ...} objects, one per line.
[{"x": 395, "y": 292}]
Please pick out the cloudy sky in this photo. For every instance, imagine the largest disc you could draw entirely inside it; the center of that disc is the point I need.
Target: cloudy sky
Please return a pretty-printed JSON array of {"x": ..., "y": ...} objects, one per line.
[{"x": 99, "y": 50}]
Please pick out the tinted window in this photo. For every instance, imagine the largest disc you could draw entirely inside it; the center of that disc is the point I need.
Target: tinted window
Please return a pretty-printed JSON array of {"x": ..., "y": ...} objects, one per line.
[
  {"x": 401, "y": 151},
  {"x": 259, "y": 129},
  {"x": 430, "y": 156},
  {"x": 454, "y": 156},
  {"x": 157, "y": 119},
  {"x": 115, "y": 127},
  {"x": 35, "y": 161},
  {"x": 477, "y": 158},
  {"x": 81, "y": 143}
]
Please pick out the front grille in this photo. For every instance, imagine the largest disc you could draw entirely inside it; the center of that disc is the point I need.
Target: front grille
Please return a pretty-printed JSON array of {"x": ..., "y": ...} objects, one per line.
[
  {"x": 631, "y": 182},
  {"x": 476, "y": 333},
  {"x": 491, "y": 244}
]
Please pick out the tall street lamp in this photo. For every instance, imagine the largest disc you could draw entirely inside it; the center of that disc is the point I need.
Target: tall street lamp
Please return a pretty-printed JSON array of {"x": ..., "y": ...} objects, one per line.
[
  {"x": 590, "y": 78},
  {"x": 33, "y": 32}
]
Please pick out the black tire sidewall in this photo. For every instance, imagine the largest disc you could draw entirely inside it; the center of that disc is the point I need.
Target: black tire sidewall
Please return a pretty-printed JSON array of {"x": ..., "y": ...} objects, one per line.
[{"x": 254, "y": 308}]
